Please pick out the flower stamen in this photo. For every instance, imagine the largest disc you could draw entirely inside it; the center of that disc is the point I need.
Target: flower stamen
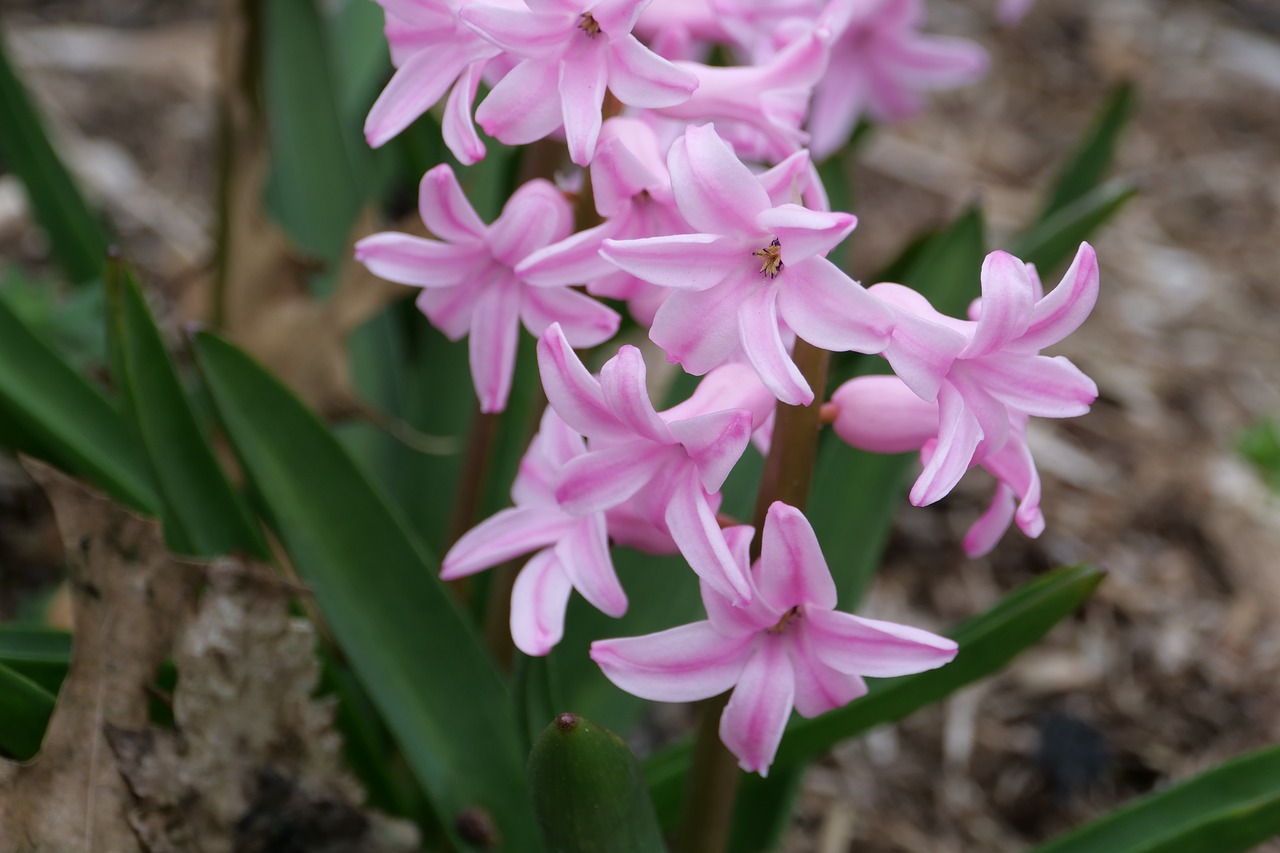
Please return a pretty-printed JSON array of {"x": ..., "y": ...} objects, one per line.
[
  {"x": 787, "y": 618},
  {"x": 772, "y": 255},
  {"x": 588, "y": 25}
]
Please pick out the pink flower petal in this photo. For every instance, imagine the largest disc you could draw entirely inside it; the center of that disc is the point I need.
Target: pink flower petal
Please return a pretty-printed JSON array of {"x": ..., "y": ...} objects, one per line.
[
  {"x": 730, "y": 386},
  {"x": 585, "y": 321},
  {"x": 1039, "y": 385},
  {"x": 792, "y": 570},
  {"x": 859, "y": 646},
  {"x": 641, "y": 78},
  {"x": 682, "y": 261},
  {"x": 605, "y": 478},
  {"x": 697, "y": 329},
  {"x": 786, "y": 181},
  {"x": 617, "y": 173},
  {"x": 693, "y": 527},
  {"x": 819, "y": 688},
  {"x": 921, "y": 352},
  {"x": 622, "y": 382},
  {"x": 753, "y": 721},
  {"x": 986, "y": 532},
  {"x": 450, "y": 308},
  {"x": 458, "y": 130},
  {"x": 417, "y": 261},
  {"x": 882, "y": 415},
  {"x": 804, "y": 233},
  {"x": 538, "y": 602},
  {"x": 958, "y": 437},
  {"x": 935, "y": 62},
  {"x": 1066, "y": 306},
  {"x": 414, "y": 88},
  {"x": 509, "y": 533},
  {"x": 524, "y": 106},
  {"x": 616, "y": 17},
  {"x": 536, "y": 215},
  {"x": 572, "y": 261},
  {"x": 830, "y": 310},
  {"x": 582, "y": 83},
  {"x": 445, "y": 210},
  {"x": 715, "y": 442},
  {"x": 495, "y": 328},
  {"x": 584, "y": 555},
  {"x": 518, "y": 31},
  {"x": 762, "y": 342},
  {"x": 682, "y": 664},
  {"x": 715, "y": 192},
  {"x": 1007, "y": 295},
  {"x": 571, "y": 390}
]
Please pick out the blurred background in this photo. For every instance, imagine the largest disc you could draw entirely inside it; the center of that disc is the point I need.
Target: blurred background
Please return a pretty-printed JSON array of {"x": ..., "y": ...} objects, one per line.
[{"x": 1171, "y": 483}]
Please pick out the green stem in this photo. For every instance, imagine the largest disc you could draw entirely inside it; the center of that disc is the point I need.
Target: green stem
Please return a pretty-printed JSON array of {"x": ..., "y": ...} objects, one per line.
[{"x": 788, "y": 474}]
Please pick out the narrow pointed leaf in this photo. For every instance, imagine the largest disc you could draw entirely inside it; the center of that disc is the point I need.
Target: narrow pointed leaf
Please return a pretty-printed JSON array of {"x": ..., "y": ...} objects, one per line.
[
  {"x": 202, "y": 514},
  {"x": 25, "y": 708},
  {"x": 589, "y": 792},
  {"x": 1233, "y": 807},
  {"x": 1053, "y": 241},
  {"x": 51, "y": 412},
  {"x": 38, "y": 653},
  {"x": 419, "y": 658},
  {"x": 1092, "y": 158}
]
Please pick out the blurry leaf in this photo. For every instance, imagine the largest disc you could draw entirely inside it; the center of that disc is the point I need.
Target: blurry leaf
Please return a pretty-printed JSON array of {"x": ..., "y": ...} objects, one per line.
[
  {"x": 404, "y": 636},
  {"x": 856, "y": 494},
  {"x": 1054, "y": 240},
  {"x": 589, "y": 792},
  {"x": 1090, "y": 161},
  {"x": 361, "y": 61},
  {"x": 987, "y": 643},
  {"x": 1233, "y": 807},
  {"x": 25, "y": 708},
  {"x": 203, "y": 516},
  {"x": 77, "y": 236},
  {"x": 763, "y": 809},
  {"x": 38, "y": 653},
  {"x": 1260, "y": 444},
  {"x": 70, "y": 321},
  {"x": 49, "y": 411}
]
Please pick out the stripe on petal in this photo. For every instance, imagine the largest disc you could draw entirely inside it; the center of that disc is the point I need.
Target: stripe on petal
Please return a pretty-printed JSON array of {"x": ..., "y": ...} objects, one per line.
[
  {"x": 605, "y": 478},
  {"x": 793, "y": 570},
  {"x": 872, "y": 647},
  {"x": 762, "y": 341},
  {"x": 444, "y": 207},
  {"x": 508, "y": 534},
  {"x": 584, "y": 554},
  {"x": 571, "y": 390},
  {"x": 538, "y": 602},
  {"x": 752, "y": 723},
  {"x": 678, "y": 665}
]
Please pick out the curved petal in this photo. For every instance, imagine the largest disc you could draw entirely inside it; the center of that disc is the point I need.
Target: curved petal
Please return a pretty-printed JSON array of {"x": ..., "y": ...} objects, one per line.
[
  {"x": 573, "y": 393},
  {"x": 805, "y": 233},
  {"x": 444, "y": 208},
  {"x": 859, "y": 646},
  {"x": 458, "y": 130},
  {"x": 1041, "y": 386},
  {"x": 730, "y": 386},
  {"x": 616, "y": 17},
  {"x": 450, "y": 308},
  {"x": 524, "y": 106},
  {"x": 1007, "y": 295},
  {"x": 417, "y": 261},
  {"x": 584, "y": 554},
  {"x": 574, "y": 260},
  {"x": 536, "y": 215},
  {"x": 921, "y": 352},
  {"x": 508, "y": 534},
  {"x": 753, "y": 721},
  {"x": 641, "y": 78},
  {"x": 585, "y": 321},
  {"x": 985, "y": 533},
  {"x": 518, "y": 31},
  {"x": 786, "y": 182},
  {"x": 605, "y": 478},
  {"x": 693, "y": 527},
  {"x": 495, "y": 329},
  {"x": 762, "y": 342},
  {"x": 681, "y": 664},
  {"x": 715, "y": 442},
  {"x": 714, "y": 191},
  {"x": 414, "y": 88},
  {"x": 792, "y": 570},
  {"x": 958, "y": 437},
  {"x": 538, "y": 602},
  {"x": 1066, "y": 306},
  {"x": 617, "y": 173},
  {"x": 698, "y": 329},
  {"x": 622, "y": 382},
  {"x": 819, "y": 688},
  {"x": 681, "y": 261},
  {"x": 582, "y": 83},
  {"x": 830, "y": 310}
]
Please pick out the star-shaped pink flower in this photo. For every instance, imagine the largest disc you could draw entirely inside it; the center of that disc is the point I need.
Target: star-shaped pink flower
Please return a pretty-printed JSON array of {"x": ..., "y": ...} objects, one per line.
[
  {"x": 788, "y": 648},
  {"x": 468, "y": 279}
]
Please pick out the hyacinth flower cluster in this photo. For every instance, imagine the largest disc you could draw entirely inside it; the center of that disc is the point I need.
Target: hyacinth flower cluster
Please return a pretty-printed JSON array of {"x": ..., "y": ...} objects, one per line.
[{"x": 709, "y": 221}]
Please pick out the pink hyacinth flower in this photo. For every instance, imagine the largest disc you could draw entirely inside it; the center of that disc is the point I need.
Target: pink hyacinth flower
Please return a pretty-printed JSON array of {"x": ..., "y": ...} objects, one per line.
[
  {"x": 434, "y": 53},
  {"x": 880, "y": 414},
  {"x": 880, "y": 65},
  {"x": 753, "y": 263},
  {"x": 788, "y": 648},
  {"x": 572, "y": 550},
  {"x": 1011, "y": 11},
  {"x": 468, "y": 279},
  {"x": 572, "y": 52},
  {"x": 988, "y": 374},
  {"x": 664, "y": 470}
]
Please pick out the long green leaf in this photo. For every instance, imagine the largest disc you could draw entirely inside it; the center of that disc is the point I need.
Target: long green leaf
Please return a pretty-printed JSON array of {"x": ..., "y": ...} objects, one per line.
[
  {"x": 1089, "y": 163},
  {"x": 51, "y": 412},
  {"x": 1053, "y": 240},
  {"x": 406, "y": 639},
  {"x": 79, "y": 241},
  {"x": 202, "y": 514},
  {"x": 1233, "y": 807},
  {"x": 987, "y": 643},
  {"x": 36, "y": 652},
  {"x": 25, "y": 708}
]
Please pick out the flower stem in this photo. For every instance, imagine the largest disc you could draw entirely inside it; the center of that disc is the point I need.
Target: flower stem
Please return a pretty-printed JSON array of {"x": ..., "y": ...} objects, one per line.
[
  {"x": 471, "y": 483},
  {"x": 788, "y": 474}
]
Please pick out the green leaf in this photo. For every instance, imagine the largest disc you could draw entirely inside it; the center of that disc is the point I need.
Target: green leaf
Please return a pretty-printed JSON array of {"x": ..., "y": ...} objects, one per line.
[
  {"x": 79, "y": 241},
  {"x": 404, "y": 636},
  {"x": 987, "y": 643},
  {"x": 36, "y": 652},
  {"x": 589, "y": 792},
  {"x": 1233, "y": 807},
  {"x": 1054, "y": 240},
  {"x": 202, "y": 514},
  {"x": 25, "y": 708},
  {"x": 1260, "y": 444},
  {"x": 762, "y": 809},
  {"x": 49, "y": 411},
  {"x": 1089, "y": 163}
]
